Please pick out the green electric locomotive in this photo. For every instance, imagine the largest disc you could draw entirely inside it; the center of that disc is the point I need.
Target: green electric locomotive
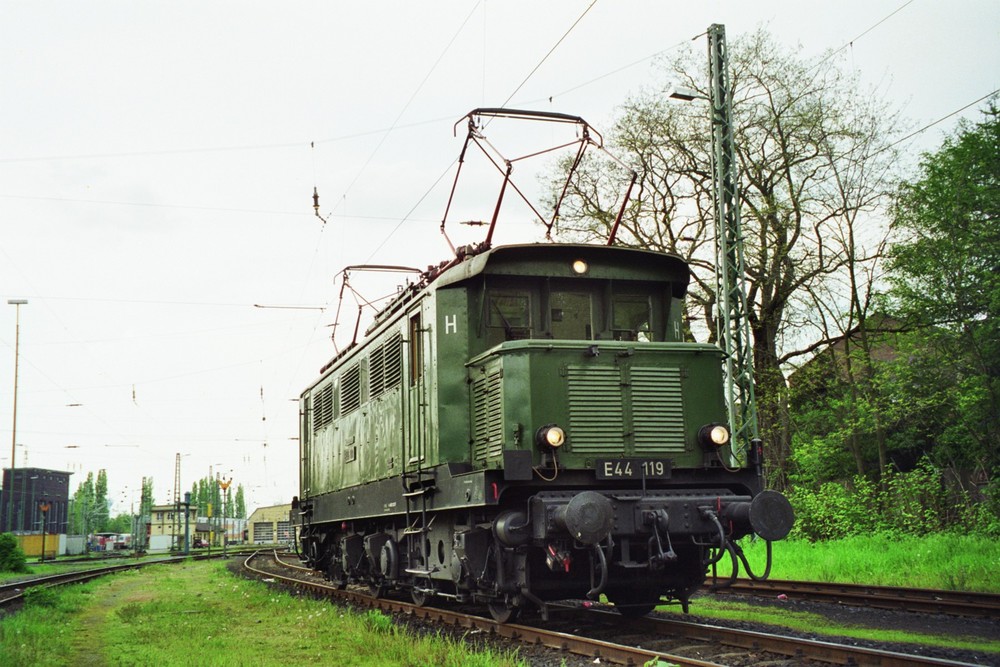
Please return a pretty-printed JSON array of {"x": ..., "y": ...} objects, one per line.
[{"x": 528, "y": 424}]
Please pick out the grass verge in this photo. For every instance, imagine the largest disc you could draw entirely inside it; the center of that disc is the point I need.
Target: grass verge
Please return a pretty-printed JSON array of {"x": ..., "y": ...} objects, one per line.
[
  {"x": 943, "y": 561},
  {"x": 198, "y": 613}
]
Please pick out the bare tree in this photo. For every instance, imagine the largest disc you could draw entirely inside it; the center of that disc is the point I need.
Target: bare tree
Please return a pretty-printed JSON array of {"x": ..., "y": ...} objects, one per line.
[{"x": 815, "y": 161}]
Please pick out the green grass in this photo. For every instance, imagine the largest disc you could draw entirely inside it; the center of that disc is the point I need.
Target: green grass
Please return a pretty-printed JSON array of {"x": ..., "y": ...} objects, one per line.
[
  {"x": 43, "y": 631},
  {"x": 711, "y": 607},
  {"x": 949, "y": 562},
  {"x": 943, "y": 561},
  {"x": 198, "y": 613},
  {"x": 192, "y": 612}
]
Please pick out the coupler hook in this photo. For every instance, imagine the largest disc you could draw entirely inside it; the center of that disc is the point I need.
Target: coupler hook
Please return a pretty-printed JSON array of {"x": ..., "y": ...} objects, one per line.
[
  {"x": 603, "y": 564},
  {"x": 660, "y": 521}
]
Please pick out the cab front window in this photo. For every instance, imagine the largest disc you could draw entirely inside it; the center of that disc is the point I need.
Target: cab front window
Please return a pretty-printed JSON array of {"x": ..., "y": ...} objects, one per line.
[
  {"x": 631, "y": 316},
  {"x": 571, "y": 315},
  {"x": 508, "y": 315}
]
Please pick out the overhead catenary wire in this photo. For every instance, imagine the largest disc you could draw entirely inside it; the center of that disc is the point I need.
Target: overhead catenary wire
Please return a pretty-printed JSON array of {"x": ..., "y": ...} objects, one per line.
[
  {"x": 865, "y": 32},
  {"x": 550, "y": 52},
  {"x": 617, "y": 70},
  {"x": 939, "y": 120},
  {"x": 454, "y": 161},
  {"x": 406, "y": 106}
]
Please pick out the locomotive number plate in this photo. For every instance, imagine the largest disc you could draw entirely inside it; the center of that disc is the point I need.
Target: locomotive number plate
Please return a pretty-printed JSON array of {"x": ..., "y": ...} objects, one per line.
[{"x": 633, "y": 468}]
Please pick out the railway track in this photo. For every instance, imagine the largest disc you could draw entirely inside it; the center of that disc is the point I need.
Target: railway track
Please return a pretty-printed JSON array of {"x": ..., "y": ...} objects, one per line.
[
  {"x": 611, "y": 638},
  {"x": 12, "y": 592},
  {"x": 928, "y": 601}
]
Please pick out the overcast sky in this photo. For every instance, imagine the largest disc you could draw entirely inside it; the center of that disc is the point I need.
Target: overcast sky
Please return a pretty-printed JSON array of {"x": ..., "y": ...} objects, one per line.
[{"x": 157, "y": 162}]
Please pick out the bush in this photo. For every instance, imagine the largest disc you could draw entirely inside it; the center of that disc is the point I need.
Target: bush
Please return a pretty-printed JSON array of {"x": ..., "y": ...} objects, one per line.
[
  {"x": 11, "y": 557},
  {"x": 911, "y": 503}
]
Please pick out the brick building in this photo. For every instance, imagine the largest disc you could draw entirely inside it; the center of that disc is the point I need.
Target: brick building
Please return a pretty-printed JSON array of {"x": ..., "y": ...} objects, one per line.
[{"x": 21, "y": 501}]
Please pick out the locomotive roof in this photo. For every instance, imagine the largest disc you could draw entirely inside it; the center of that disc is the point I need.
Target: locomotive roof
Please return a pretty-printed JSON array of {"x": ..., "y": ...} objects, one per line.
[
  {"x": 552, "y": 259},
  {"x": 604, "y": 262}
]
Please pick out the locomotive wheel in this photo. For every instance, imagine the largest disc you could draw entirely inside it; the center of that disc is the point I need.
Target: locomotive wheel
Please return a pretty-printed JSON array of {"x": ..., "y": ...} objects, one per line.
[
  {"x": 502, "y": 611},
  {"x": 376, "y": 588},
  {"x": 336, "y": 574},
  {"x": 418, "y": 594},
  {"x": 634, "y": 605},
  {"x": 311, "y": 551}
]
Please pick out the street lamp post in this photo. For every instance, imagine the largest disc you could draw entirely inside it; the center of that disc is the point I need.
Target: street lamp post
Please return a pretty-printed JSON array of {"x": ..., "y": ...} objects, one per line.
[
  {"x": 187, "y": 523},
  {"x": 17, "y": 303},
  {"x": 43, "y": 505},
  {"x": 224, "y": 486}
]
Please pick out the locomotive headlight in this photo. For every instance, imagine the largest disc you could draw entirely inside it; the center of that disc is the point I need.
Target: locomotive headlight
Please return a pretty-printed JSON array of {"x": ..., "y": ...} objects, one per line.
[
  {"x": 713, "y": 435},
  {"x": 550, "y": 436},
  {"x": 580, "y": 267}
]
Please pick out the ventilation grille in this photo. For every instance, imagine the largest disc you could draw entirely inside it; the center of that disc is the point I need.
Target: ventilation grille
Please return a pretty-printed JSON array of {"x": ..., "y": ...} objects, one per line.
[
  {"x": 487, "y": 409},
  {"x": 657, "y": 410},
  {"x": 385, "y": 366},
  {"x": 350, "y": 389},
  {"x": 599, "y": 421},
  {"x": 596, "y": 421},
  {"x": 322, "y": 408}
]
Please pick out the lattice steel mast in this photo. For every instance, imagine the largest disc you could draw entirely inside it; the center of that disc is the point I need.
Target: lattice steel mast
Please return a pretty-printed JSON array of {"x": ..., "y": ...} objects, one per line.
[{"x": 732, "y": 325}]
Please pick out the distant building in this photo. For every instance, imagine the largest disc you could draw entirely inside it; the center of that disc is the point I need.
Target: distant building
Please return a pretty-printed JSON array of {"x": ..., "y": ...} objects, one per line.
[
  {"x": 22, "y": 500},
  {"x": 270, "y": 525},
  {"x": 165, "y": 529},
  {"x": 211, "y": 531}
]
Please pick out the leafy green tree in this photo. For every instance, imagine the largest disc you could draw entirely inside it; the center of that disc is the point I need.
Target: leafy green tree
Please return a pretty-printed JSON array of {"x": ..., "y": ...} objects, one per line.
[
  {"x": 120, "y": 523},
  {"x": 854, "y": 409},
  {"x": 945, "y": 275},
  {"x": 101, "y": 506},
  {"x": 12, "y": 558},
  {"x": 145, "y": 512},
  {"x": 146, "y": 497},
  {"x": 206, "y": 493},
  {"x": 240, "y": 511},
  {"x": 84, "y": 507},
  {"x": 197, "y": 499}
]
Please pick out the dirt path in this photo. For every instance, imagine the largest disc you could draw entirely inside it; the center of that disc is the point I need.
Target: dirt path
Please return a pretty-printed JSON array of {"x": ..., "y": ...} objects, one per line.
[{"x": 113, "y": 594}]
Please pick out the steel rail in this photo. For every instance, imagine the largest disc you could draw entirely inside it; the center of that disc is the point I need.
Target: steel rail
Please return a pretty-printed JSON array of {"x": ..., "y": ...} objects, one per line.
[
  {"x": 591, "y": 648},
  {"x": 744, "y": 640},
  {"x": 12, "y": 591},
  {"x": 923, "y": 600},
  {"x": 794, "y": 647}
]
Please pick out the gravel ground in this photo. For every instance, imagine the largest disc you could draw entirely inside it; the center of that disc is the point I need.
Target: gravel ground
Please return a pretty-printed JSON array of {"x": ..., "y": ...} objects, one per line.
[{"x": 933, "y": 624}]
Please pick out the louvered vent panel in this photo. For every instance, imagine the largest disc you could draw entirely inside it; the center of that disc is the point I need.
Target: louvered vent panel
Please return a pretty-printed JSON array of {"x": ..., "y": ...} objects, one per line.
[
  {"x": 376, "y": 371},
  {"x": 393, "y": 362},
  {"x": 350, "y": 389},
  {"x": 595, "y": 408},
  {"x": 487, "y": 406},
  {"x": 322, "y": 408},
  {"x": 657, "y": 410},
  {"x": 385, "y": 366}
]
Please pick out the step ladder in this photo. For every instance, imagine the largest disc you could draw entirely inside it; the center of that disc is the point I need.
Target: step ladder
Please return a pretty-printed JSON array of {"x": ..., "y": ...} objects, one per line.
[{"x": 418, "y": 487}]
